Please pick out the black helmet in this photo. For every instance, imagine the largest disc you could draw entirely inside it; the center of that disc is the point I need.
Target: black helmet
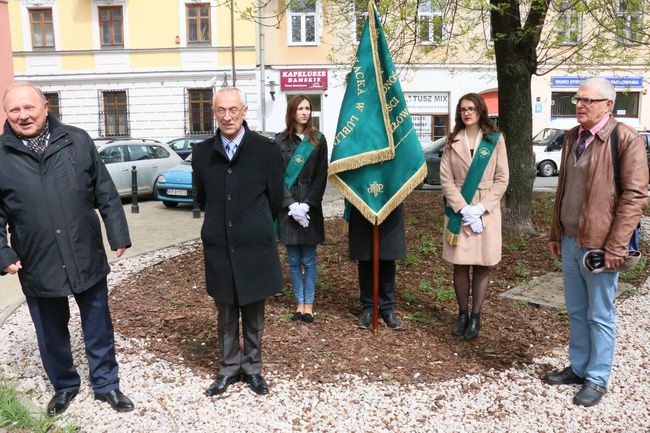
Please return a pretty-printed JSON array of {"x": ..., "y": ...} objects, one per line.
[{"x": 594, "y": 261}]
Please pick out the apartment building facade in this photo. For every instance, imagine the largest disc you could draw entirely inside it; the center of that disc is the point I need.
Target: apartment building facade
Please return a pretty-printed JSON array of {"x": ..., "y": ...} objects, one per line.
[
  {"x": 149, "y": 69},
  {"x": 133, "y": 68}
]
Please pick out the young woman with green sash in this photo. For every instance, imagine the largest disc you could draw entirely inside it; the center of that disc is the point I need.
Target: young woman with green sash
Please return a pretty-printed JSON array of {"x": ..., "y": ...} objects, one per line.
[
  {"x": 301, "y": 226},
  {"x": 474, "y": 177}
]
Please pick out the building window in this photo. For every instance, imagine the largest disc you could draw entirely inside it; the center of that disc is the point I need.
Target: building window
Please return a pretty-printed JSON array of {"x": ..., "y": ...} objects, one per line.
[
  {"x": 53, "y": 104},
  {"x": 42, "y": 28},
  {"x": 116, "y": 114},
  {"x": 198, "y": 23},
  {"x": 569, "y": 23},
  {"x": 111, "y": 26},
  {"x": 303, "y": 27},
  {"x": 630, "y": 21},
  {"x": 626, "y": 105},
  {"x": 430, "y": 22},
  {"x": 360, "y": 16},
  {"x": 431, "y": 126},
  {"x": 201, "y": 120}
]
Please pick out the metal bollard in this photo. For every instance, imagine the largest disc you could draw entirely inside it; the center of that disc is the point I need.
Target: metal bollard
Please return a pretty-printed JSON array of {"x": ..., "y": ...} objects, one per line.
[
  {"x": 196, "y": 210},
  {"x": 134, "y": 190}
]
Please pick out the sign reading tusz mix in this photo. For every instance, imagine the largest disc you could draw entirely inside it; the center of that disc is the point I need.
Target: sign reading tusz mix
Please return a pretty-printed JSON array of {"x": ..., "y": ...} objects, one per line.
[{"x": 303, "y": 79}]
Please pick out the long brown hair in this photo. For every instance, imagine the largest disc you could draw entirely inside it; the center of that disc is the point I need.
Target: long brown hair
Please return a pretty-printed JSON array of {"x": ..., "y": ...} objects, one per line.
[
  {"x": 290, "y": 118},
  {"x": 484, "y": 121}
]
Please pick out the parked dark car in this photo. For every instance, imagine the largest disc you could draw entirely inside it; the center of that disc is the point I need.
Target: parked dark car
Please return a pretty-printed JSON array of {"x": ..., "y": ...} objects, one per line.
[
  {"x": 433, "y": 153},
  {"x": 183, "y": 145}
]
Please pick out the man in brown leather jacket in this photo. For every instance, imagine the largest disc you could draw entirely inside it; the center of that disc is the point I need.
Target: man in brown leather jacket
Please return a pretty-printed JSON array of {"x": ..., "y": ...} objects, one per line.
[{"x": 590, "y": 213}]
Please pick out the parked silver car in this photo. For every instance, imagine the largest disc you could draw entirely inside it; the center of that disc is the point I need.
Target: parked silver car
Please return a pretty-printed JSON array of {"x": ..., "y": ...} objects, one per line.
[{"x": 150, "y": 158}]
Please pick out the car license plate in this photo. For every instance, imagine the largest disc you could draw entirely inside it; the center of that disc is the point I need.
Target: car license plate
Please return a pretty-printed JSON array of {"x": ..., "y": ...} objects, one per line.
[{"x": 180, "y": 192}]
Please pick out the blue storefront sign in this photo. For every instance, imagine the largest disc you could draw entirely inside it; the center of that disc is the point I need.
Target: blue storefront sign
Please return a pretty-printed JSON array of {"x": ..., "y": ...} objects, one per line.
[{"x": 619, "y": 82}]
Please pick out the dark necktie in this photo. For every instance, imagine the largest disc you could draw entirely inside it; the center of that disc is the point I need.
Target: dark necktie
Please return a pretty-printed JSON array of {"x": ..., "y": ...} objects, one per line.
[
  {"x": 582, "y": 142},
  {"x": 39, "y": 143}
]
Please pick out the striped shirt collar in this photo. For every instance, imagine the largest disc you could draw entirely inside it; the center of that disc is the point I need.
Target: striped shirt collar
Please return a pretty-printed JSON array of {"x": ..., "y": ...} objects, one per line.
[{"x": 236, "y": 141}]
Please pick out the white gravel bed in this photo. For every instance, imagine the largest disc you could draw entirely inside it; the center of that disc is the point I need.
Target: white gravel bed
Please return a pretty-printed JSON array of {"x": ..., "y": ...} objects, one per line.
[{"x": 169, "y": 397}]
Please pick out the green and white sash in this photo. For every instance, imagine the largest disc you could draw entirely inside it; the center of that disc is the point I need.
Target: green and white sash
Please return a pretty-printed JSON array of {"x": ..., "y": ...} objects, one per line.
[
  {"x": 298, "y": 160},
  {"x": 475, "y": 173}
]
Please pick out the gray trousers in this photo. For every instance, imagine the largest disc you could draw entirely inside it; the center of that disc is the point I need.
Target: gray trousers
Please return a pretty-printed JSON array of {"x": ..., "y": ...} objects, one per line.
[{"x": 233, "y": 360}]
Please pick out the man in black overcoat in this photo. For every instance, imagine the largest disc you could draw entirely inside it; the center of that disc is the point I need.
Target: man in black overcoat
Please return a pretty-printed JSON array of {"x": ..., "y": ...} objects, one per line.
[
  {"x": 239, "y": 181},
  {"x": 51, "y": 182},
  {"x": 392, "y": 246}
]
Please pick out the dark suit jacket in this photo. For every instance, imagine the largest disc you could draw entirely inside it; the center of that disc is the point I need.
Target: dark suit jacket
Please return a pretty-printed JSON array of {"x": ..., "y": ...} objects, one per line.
[
  {"x": 392, "y": 241},
  {"x": 240, "y": 197}
]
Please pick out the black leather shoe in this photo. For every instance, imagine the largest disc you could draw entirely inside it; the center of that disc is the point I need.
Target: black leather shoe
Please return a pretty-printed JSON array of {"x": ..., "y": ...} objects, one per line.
[
  {"x": 307, "y": 318},
  {"x": 116, "y": 399},
  {"x": 222, "y": 383},
  {"x": 257, "y": 383},
  {"x": 296, "y": 316},
  {"x": 60, "y": 402},
  {"x": 392, "y": 321},
  {"x": 590, "y": 394},
  {"x": 473, "y": 327},
  {"x": 563, "y": 377},
  {"x": 365, "y": 320},
  {"x": 461, "y": 325}
]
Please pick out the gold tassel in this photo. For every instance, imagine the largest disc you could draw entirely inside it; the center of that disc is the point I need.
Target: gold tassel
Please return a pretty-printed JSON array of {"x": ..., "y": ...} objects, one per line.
[{"x": 451, "y": 238}]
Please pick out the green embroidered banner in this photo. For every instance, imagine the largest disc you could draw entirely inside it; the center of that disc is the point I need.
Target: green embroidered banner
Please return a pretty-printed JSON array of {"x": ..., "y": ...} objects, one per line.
[{"x": 376, "y": 158}]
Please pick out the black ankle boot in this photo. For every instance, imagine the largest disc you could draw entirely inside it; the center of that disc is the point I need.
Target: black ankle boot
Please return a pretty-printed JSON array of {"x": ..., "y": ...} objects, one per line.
[
  {"x": 461, "y": 325},
  {"x": 472, "y": 328}
]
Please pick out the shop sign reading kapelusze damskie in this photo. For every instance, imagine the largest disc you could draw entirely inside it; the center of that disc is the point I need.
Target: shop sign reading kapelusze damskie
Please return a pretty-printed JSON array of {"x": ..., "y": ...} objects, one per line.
[{"x": 303, "y": 79}]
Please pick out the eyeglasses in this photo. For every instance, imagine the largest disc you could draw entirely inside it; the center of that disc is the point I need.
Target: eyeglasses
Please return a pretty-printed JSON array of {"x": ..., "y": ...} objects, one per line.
[
  {"x": 468, "y": 110},
  {"x": 585, "y": 100},
  {"x": 234, "y": 111}
]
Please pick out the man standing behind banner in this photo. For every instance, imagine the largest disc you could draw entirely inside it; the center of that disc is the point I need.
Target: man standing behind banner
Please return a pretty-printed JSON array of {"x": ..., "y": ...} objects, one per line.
[
  {"x": 376, "y": 162},
  {"x": 239, "y": 183},
  {"x": 392, "y": 246}
]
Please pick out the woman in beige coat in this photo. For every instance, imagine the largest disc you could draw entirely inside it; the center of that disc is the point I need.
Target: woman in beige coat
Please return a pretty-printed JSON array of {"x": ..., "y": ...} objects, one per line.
[{"x": 472, "y": 211}]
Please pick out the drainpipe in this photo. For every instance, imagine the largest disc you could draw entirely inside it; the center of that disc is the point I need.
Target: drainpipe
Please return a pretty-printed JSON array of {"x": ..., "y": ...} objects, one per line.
[{"x": 262, "y": 95}]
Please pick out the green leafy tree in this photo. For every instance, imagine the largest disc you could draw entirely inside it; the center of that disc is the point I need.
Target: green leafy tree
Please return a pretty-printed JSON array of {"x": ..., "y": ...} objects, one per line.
[{"x": 522, "y": 37}]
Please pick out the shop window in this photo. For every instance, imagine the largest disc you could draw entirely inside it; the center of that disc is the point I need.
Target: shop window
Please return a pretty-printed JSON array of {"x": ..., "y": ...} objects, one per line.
[
  {"x": 431, "y": 126},
  {"x": 315, "y": 100},
  {"x": 626, "y": 105}
]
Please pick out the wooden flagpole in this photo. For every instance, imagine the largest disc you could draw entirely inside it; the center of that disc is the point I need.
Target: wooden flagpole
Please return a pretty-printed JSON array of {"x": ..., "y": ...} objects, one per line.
[{"x": 375, "y": 279}]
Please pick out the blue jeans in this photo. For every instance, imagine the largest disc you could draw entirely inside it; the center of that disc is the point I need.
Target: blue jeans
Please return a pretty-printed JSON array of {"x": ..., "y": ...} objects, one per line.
[
  {"x": 302, "y": 270},
  {"x": 592, "y": 316}
]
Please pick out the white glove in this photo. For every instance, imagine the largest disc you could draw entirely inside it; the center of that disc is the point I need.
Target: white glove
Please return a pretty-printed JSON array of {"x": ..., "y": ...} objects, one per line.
[
  {"x": 477, "y": 226},
  {"x": 293, "y": 207},
  {"x": 305, "y": 209},
  {"x": 303, "y": 221}
]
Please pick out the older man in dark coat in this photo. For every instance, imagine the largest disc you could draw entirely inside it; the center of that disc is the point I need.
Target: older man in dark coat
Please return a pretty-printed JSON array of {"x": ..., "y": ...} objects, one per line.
[
  {"x": 392, "y": 246},
  {"x": 239, "y": 181},
  {"x": 51, "y": 181}
]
